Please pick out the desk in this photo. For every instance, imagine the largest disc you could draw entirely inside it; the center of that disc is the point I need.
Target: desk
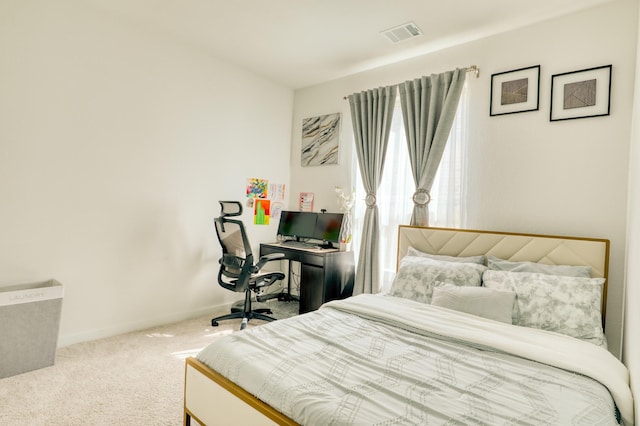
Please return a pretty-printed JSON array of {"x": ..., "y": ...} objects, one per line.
[{"x": 324, "y": 273}]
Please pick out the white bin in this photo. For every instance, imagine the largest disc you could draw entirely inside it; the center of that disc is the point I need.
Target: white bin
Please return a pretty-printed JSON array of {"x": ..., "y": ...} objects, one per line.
[{"x": 29, "y": 326}]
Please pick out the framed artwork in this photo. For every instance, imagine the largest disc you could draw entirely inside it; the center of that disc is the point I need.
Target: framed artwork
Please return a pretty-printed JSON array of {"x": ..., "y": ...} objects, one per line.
[
  {"x": 581, "y": 94},
  {"x": 515, "y": 91},
  {"x": 320, "y": 139}
]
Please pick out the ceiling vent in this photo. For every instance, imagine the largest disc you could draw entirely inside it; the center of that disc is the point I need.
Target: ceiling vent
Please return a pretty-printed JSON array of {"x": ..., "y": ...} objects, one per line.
[{"x": 402, "y": 32}]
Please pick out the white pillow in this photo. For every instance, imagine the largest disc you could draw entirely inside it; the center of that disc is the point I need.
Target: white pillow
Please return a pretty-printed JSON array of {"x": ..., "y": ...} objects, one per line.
[
  {"x": 417, "y": 276},
  {"x": 567, "y": 305},
  {"x": 481, "y": 301},
  {"x": 498, "y": 264},
  {"x": 464, "y": 259}
]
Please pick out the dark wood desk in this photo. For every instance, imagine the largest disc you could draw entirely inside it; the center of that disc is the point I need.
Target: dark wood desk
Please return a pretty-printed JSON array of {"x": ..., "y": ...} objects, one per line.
[{"x": 324, "y": 273}]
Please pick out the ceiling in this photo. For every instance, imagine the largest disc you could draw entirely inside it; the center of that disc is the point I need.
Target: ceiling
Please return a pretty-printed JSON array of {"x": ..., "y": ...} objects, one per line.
[{"x": 299, "y": 43}]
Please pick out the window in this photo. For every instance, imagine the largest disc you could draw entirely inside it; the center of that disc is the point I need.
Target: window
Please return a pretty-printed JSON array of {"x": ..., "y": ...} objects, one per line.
[{"x": 447, "y": 206}]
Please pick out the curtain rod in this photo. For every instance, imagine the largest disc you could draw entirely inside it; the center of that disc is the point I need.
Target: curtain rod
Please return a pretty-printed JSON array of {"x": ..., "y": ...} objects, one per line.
[{"x": 472, "y": 68}]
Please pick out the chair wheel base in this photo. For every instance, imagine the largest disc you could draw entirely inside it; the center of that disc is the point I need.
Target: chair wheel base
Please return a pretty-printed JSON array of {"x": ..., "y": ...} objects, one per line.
[{"x": 214, "y": 323}]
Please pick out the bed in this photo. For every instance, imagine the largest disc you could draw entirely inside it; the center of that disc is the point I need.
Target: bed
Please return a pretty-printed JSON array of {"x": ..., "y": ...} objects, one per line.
[{"x": 478, "y": 328}]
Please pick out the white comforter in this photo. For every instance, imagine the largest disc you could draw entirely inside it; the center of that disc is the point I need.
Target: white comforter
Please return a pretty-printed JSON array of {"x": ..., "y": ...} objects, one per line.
[{"x": 375, "y": 359}]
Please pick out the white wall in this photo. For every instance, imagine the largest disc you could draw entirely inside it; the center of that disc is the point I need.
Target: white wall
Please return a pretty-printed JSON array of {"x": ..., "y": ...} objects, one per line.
[
  {"x": 631, "y": 348},
  {"x": 116, "y": 142},
  {"x": 526, "y": 173}
]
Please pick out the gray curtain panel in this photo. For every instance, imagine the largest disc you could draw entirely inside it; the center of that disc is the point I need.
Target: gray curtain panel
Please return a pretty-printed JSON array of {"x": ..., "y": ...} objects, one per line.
[
  {"x": 371, "y": 114},
  {"x": 429, "y": 106}
]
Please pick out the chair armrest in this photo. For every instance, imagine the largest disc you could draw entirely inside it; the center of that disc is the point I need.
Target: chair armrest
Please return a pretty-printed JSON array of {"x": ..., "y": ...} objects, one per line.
[{"x": 267, "y": 258}]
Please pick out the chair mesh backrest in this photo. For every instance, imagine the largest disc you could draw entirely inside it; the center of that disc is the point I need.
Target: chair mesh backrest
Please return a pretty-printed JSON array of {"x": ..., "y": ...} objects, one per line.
[
  {"x": 237, "y": 258},
  {"x": 230, "y": 208}
]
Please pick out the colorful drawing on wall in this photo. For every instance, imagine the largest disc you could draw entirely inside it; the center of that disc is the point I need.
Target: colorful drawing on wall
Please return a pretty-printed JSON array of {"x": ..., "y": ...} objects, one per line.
[
  {"x": 276, "y": 209},
  {"x": 276, "y": 191},
  {"x": 262, "y": 212},
  {"x": 320, "y": 139},
  {"x": 257, "y": 188}
]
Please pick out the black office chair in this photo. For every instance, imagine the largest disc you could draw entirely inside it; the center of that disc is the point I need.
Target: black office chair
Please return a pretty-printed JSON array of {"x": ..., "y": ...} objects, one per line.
[{"x": 237, "y": 271}]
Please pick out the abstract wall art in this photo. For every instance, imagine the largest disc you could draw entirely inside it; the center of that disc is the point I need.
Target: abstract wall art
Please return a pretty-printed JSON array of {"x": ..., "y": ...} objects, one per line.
[{"x": 320, "y": 140}]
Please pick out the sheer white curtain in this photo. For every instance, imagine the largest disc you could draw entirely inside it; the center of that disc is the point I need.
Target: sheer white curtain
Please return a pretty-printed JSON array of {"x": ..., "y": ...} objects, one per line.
[{"x": 448, "y": 193}]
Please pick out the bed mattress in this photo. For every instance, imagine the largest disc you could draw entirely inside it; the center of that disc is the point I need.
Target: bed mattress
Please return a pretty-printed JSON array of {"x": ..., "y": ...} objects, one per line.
[{"x": 382, "y": 360}]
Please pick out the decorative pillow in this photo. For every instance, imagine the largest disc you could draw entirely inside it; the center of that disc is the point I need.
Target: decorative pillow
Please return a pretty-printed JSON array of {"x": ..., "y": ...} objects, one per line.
[
  {"x": 417, "y": 276},
  {"x": 567, "y": 305},
  {"x": 481, "y": 301},
  {"x": 468, "y": 259},
  {"x": 498, "y": 264}
]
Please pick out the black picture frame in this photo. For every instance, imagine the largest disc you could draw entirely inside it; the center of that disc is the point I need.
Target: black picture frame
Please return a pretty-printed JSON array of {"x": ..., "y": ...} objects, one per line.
[
  {"x": 515, "y": 91},
  {"x": 581, "y": 94}
]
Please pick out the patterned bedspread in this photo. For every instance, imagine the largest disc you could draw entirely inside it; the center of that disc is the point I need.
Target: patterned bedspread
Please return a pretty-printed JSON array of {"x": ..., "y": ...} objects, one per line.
[{"x": 380, "y": 360}]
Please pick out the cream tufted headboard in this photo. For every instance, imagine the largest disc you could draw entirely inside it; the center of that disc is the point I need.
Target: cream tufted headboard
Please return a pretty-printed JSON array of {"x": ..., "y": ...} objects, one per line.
[{"x": 553, "y": 250}]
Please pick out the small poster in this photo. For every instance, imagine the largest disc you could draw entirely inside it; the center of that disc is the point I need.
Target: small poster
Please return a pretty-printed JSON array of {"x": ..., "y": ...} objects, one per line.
[{"x": 306, "y": 202}]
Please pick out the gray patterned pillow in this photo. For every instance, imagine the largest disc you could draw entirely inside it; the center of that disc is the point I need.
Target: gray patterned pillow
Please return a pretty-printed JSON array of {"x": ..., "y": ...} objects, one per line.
[
  {"x": 417, "y": 276},
  {"x": 498, "y": 264},
  {"x": 567, "y": 305},
  {"x": 463, "y": 259}
]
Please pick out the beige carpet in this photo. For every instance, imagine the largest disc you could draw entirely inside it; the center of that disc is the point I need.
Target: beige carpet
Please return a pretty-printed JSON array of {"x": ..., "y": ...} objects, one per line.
[{"x": 131, "y": 379}]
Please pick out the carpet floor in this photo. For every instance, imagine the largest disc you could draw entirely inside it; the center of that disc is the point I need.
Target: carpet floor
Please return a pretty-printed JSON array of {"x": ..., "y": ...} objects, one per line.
[{"x": 131, "y": 379}]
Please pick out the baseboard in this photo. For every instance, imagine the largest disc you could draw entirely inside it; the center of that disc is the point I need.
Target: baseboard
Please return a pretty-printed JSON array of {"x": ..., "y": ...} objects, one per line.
[{"x": 85, "y": 336}]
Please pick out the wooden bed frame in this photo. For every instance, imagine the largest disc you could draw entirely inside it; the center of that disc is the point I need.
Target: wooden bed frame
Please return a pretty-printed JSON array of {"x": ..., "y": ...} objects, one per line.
[{"x": 211, "y": 399}]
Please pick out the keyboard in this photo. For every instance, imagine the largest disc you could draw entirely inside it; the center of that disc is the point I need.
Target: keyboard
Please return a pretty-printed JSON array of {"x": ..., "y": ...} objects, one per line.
[{"x": 299, "y": 244}]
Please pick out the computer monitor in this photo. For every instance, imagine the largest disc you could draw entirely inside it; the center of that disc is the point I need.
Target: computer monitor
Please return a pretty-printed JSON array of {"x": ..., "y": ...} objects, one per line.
[
  {"x": 297, "y": 225},
  {"x": 328, "y": 226}
]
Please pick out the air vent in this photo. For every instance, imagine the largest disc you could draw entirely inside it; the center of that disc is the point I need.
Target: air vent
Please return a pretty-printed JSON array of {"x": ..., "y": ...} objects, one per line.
[{"x": 402, "y": 32}]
